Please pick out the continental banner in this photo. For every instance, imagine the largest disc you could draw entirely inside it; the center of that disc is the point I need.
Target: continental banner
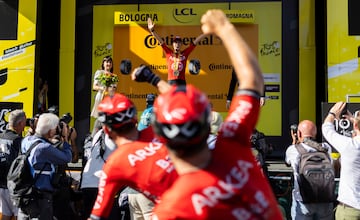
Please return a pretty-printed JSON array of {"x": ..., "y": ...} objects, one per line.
[
  {"x": 17, "y": 57},
  {"x": 121, "y": 31}
]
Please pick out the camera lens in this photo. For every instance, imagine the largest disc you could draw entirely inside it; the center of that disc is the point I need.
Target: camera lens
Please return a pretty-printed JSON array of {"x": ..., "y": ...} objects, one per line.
[
  {"x": 344, "y": 123},
  {"x": 294, "y": 127}
]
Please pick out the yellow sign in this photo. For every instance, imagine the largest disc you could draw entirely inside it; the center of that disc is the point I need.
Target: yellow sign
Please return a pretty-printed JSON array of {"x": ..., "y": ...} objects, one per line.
[
  {"x": 136, "y": 17},
  {"x": 17, "y": 60},
  {"x": 124, "y": 35},
  {"x": 240, "y": 16}
]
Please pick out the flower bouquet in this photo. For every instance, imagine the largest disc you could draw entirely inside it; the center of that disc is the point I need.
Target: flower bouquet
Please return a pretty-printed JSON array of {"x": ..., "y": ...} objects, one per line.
[{"x": 106, "y": 79}]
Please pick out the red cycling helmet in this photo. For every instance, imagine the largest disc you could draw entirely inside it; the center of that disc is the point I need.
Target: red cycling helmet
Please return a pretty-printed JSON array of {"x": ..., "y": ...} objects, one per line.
[
  {"x": 117, "y": 110},
  {"x": 182, "y": 117}
]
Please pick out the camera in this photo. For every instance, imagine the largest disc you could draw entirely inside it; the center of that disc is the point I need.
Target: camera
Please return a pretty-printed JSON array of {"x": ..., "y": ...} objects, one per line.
[
  {"x": 66, "y": 118},
  {"x": 30, "y": 122},
  {"x": 294, "y": 128}
]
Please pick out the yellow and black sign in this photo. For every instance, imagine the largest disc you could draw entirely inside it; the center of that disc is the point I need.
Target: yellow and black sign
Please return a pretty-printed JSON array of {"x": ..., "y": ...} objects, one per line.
[
  {"x": 17, "y": 56},
  {"x": 121, "y": 32}
]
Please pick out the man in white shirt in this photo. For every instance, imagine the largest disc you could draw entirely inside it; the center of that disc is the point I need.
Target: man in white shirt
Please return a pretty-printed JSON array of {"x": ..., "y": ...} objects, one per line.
[{"x": 349, "y": 149}]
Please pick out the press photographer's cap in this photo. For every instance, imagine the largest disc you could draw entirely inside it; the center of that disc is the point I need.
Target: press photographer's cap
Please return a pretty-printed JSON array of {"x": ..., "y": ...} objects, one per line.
[{"x": 177, "y": 38}]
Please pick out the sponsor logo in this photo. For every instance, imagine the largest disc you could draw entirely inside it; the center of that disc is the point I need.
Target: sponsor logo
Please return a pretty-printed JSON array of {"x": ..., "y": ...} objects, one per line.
[
  {"x": 272, "y": 48},
  {"x": 100, "y": 197},
  {"x": 151, "y": 42},
  {"x": 220, "y": 66},
  {"x": 235, "y": 180},
  {"x": 103, "y": 50},
  {"x": 184, "y": 15},
  {"x": 142, "y": 154}
]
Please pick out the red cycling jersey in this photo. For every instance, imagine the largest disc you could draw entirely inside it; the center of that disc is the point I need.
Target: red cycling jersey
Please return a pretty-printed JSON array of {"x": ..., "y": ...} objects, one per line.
[
  {"x": 176, "y": 63},
  {"x": 141, "y": 165},
  {"x": 232, "y": 186}
]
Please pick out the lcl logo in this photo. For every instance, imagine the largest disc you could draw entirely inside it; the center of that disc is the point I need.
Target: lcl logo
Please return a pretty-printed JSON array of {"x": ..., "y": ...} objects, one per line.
[{"x": 183, "y": 15}]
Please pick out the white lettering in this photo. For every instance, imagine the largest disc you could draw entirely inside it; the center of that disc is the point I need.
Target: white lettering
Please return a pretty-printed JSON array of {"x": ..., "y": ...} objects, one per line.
[
  {"x": 99, "y": 198},
  {"x": 200, "y": 201},
  {"x": 243, "y": 109},
  {"x": 241, "y": 214},
  {"x": 163, "y": 163},
  {"x": 234, "y": 180},
  {"x": 142, "y": 154}
]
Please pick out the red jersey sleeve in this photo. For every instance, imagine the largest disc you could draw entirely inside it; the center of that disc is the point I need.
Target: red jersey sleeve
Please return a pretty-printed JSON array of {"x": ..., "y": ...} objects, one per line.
[
  {"x": 166, "y": 49},
  {"x": 188, "y": 50},
  {"x": 242, "y": 118},
  {"x": 110, "y": 183}
]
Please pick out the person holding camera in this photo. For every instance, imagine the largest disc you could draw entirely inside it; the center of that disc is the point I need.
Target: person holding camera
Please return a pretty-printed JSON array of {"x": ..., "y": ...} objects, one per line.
[
  {"x": 43, "y": 159},
  {"x": 348, "y": 206},
  {"x": 71, "y": 136},
  {"x": 10, "y": 143},
  {"x": 304, "y": 134},
  {"x": 175, "y": 58}
]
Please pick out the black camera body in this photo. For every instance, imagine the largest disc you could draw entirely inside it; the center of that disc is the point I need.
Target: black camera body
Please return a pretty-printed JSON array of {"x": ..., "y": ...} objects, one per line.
[
  {"x": 294, "y": 129},
  {"x": 66, "y": 118},
  {"x": 31, "y": 121}
]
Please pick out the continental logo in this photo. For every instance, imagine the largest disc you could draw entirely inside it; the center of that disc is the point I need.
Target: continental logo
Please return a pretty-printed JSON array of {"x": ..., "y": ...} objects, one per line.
[
  {"x": 240, "y": 16},
  {"x": 151, "y": 42},
  {"x": 220, "y": 66},
  {"x": 135, "y": 17},
  {"x": 184, "y": 15}
]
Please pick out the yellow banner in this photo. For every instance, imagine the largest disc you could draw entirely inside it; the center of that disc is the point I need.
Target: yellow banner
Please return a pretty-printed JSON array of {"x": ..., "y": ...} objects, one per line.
[
  {"x": 240, "y": 16},
  {"x": 17, "y": 60},
  {"x": 343, "y": 54},
  {"x": 121, "y": 32},
  {"x": 136, "y": 17}
]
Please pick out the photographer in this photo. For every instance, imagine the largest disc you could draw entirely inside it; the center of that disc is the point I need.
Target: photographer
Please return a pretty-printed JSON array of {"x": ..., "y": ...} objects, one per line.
[
  {"x": 71, "y": 133},
  {"x": 63, "y": 196},
  {"x": 304, "y": 135},
  {"x": 71, "y": 136},
  {"x": 31, "y": 123},
  {"x": 43, "y": 159}
]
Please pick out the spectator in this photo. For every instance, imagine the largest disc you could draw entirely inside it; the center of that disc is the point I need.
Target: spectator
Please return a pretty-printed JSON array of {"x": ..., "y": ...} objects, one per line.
[
  {"x": 306, "y": 131},
  {"x": 62, "y": 198},
  {"x": 348, "y": 206},
  {"x": 10, "y": 143},
  {"x": 216, "y": 121},
  {"x": 204, "y": 190},
  {"x": 102, "y": 148},
  {"x": 32, "y": 125},
  {"x": 71, "y": 136},
  {"x": 232, "y": 85},
  {"x": 175, "y": 58},
  {"x": 145, "y": 117},
  {"x": 43, "y": 159},
  {"x": 137, "y": 162},
  {"x": 71, "y": 131},
  {"x": 107, "y": 67}
]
